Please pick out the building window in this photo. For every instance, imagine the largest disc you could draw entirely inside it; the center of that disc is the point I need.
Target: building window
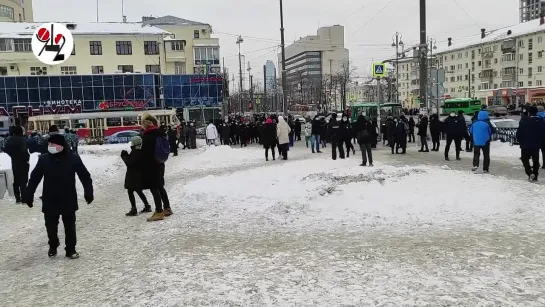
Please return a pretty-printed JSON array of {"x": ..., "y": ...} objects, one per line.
[
  {"x": 530, "y": 83},
  {"x": 539, "y": 83},
  {"x": 540, "y": 40},
  {"x": 495, "y": 61},
  {"x": 97, "y": 70},
  {"x": 6, "y": 11},
  {"x": 521, "y": 84},
  {"x": 73, "y": 49},
  {"x": 153, "y": 68},
  {"x": 467, "y": 65},
  {"x": 521, "y": 57},
  {"x": 508, "y": 57},
  {"x": 68, "y": 70},
  {"x": 38, "y": 71},
  {"x": 530, "y": 44},
  {"x": 22, "y": 44},
  {"x": 466, "y": 77},
  {"x": 521, "y": 71},
  {"x": 151, "y": 47},
  {"x": 479, "y": 63},
  {"x": 95, "y": 47},
  {"x": 521, "y": 43},
  {"x": 207, "y": 55},
  {"x": 3, "y": 71},
  {"x": 177, "y": 45},
  {"x": 5, "y": 44},
  {"x": 540, "y": 69},
  {"x": 179, "y": 68},
  {"x": 539, "y": 54},
  {"x": 467, "y": 54},
  {"x": 125, "y": 68},
  {"x": 196, "y": 34},
  {"x": 123, "y": 47},
  {"x": 530, "y": 59},
  {"x": 530, "y": 72}
]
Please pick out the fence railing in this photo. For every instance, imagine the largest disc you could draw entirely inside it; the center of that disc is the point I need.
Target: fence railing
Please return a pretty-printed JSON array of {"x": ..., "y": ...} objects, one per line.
[{"x": 505, "y": 135}]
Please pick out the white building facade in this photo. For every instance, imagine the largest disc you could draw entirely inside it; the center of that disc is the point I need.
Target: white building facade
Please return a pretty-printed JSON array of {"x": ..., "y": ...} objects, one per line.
[
  {"x": 105, "y": 48},
  {"x": 16, "y": 11},
  {"x": 503, "y": 66}
]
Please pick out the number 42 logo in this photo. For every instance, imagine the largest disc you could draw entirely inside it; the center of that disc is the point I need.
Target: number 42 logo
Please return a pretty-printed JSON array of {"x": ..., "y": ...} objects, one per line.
[{"x": 52, "y": 43}]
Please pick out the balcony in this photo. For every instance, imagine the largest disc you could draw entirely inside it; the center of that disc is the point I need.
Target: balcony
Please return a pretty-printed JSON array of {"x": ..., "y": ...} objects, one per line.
[
  {"x": 17, "y": 57},
  {"x": 175, "y": 56},
  {"x": 508, "y": 76},
  {"x": 487, "y": 54}
]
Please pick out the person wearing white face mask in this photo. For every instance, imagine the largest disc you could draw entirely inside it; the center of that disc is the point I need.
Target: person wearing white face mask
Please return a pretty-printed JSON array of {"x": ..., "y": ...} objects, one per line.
[{"x": 59, "y": 168}]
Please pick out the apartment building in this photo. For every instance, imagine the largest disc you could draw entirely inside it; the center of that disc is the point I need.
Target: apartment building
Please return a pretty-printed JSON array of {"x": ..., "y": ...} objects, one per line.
[
  {"x": 500, "y": 66},
  {"x": 172, "y": 46},
  {"x": 270, "y": 74},
  {"x": 531, "y": 9},
  {"x": 16, "y": 10}
]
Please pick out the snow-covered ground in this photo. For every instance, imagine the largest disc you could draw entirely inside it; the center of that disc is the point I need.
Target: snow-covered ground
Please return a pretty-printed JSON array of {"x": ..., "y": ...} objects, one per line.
[{"x": 304, "y": 232}]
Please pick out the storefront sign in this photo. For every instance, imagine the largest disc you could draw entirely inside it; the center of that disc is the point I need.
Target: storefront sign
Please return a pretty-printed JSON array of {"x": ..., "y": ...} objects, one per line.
[
  {"x": 18, "y": 111},
  {"x": 63, "y": 102},
  {"x": 125, "y": 104}
]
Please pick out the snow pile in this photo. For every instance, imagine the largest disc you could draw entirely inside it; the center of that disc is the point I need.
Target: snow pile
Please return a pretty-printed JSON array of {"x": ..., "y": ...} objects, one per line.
[
  {"x": 504, "y": 150},
  {"x": 317, "y": 192},
  {"x": 212, "y": 157},
  {"x": 105, "y": 170},
  {"x": 108, "y": 149}
]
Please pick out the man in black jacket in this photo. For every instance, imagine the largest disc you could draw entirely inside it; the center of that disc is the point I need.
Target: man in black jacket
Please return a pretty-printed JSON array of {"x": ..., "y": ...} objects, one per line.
[
  {"x": 58, "y": 168},
  {"x": 336, "y": 136},
  {"x": 455, "y": 127},
  {"x": 16, "y": 148},
  {"x": 530, "y": 135},
  {"x": 316, "y": 131}
]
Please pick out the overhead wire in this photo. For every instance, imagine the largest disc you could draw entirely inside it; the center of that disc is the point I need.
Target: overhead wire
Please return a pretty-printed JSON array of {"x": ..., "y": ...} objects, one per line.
[{"x": 374, "y": 16}]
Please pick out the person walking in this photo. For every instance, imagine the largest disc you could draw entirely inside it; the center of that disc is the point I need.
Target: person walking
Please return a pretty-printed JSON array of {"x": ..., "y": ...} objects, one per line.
[
  {"x": 364, "y": 133},
  {"x": 58, "y": 169},
  {"x": 155, "y": 151},
  {"x": 347, "y": 131},
  {"x": 172, "y": 139},
  {"x": 308, "y": 133},
  {"x": 401, "y": 134},
  {"x": 412, "y": 125},
  {"x": 435, "y": 131},
  {"x": 423, "y": 133},
  {"x": 335, "y": 134},
  {"x": 269, "y": 139},
  {"x": 192, "y": 136},
  {"x": 531, "y": 135},
  {"x": 211, "y": 134},
  {"x": 481, "y": 131},
  {"x": 298, "y": 126},
  {"x": 16, "y": 148},
  {"x": 455, "y": 127},
  {"x": 283, "y": 131},
  {"x": 133, "y": 176},
  {"x": 316, "y": 133},
  {"x": 390, "y": 129},
  {"x": 225, "y": 133}
]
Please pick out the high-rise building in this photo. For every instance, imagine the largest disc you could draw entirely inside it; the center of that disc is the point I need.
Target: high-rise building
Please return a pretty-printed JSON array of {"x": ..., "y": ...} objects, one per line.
[
  {"x": 270, "y": 74},
  {"x": 310, "y": 59},
  {"x": 531, "y": 9},
  {"x": 16, "y": 10}
]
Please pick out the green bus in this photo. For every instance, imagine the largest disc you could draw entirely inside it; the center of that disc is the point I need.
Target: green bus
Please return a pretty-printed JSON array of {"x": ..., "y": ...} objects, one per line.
[
  {"x": 369, "y": 109},
  {"x": 468, "y": 105}
]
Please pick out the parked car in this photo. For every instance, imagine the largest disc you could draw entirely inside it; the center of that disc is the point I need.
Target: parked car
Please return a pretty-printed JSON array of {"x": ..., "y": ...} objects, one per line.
[
  {"x": 500, "y": 111},
  {"x": 506, "y": 130},
  {"x": 121, "y": 137}
]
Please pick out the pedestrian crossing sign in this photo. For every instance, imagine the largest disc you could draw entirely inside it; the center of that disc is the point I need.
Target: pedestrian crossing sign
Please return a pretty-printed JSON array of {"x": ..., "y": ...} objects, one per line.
[{"x": 379, "y": 70}]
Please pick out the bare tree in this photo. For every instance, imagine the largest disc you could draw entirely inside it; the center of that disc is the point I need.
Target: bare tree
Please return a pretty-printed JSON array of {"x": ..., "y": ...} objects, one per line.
[{"x": 343, "y": 79}]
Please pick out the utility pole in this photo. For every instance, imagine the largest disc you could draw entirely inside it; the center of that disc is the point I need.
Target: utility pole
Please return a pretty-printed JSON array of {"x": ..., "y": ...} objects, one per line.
[
  {"x": 240, "y": 41},
  {"x": 423, "y": 55},
  {"x": 397, "y": 42},
  {"x": 252, "y": 91},
  {"x": 249, "y": 72},
  {"x": 282, "y": 45},
  {"x": 264, "y": 87},
  {"x": 432, "y": 46}
]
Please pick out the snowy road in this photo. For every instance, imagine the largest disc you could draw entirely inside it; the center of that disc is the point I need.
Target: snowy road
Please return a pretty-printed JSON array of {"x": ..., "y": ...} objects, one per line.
[{"x": 306, "y": 232}]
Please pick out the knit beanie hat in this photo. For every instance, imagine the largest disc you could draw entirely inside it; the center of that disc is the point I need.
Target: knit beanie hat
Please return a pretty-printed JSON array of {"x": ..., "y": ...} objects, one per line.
[
  {"x": 136, "y": 141},
  {"x": 57, "y": 139}
]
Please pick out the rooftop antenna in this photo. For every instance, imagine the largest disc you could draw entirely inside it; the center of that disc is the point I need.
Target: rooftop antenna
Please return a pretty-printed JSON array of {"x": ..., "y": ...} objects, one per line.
[{"x": 123, "y": 17}]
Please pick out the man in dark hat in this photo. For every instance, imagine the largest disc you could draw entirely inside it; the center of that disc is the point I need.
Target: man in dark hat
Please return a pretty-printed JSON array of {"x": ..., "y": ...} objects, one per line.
[
  {"x": 59, "y": 168},
  {"x": 16, "y": 148}
]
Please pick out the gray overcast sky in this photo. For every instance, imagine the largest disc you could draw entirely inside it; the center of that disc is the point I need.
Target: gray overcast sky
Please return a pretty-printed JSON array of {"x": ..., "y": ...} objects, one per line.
[{"x": 368, "y": 33}]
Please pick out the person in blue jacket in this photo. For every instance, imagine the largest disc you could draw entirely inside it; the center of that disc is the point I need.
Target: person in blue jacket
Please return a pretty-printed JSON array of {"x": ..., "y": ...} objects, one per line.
[
  {"x": 481, "y": 130},
  {"x": 530, "y": 135}
]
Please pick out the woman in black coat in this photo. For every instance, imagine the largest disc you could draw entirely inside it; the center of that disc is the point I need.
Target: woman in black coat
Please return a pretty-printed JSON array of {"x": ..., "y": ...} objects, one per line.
[
  {"x": 153, "y": 172},
  {"x": 435, "y": 131},
  {"x": 269, "y": 138},
  {"x": 365, "y": 132},
  {"x": 423, "y": 133},
  {"x": 133, "y": 176}
]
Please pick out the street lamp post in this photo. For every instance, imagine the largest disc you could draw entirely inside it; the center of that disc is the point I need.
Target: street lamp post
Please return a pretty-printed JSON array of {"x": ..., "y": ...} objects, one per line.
[
  {"x": 397, "y": 42},
  {"x": 240, "y": 41},
  {"x": 282, "y": 45},
  {"x": 433, "y": 46}
]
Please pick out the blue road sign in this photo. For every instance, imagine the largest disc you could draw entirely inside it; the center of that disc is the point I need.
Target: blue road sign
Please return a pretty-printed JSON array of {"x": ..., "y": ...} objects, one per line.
[{"x": 379, "y": 70}]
